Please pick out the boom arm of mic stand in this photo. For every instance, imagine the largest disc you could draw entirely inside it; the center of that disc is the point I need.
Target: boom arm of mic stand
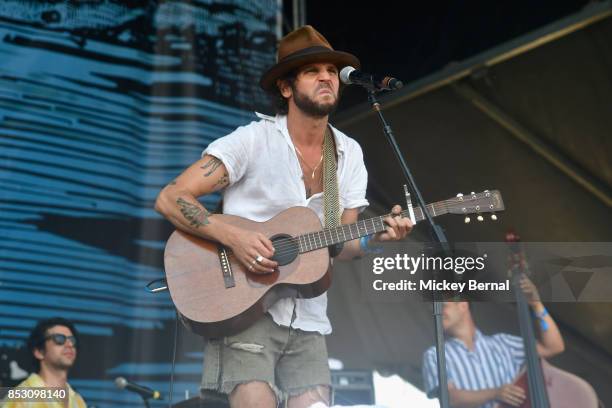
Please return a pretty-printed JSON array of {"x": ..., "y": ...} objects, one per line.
[{"x": 438, "y": 236}]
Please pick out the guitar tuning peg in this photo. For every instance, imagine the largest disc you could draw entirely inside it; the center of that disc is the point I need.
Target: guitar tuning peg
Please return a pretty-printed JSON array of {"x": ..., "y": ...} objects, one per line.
[
  {"x": 459, "y": 195},
  {"x": 472, "y": 193},
  {"x": 480, "y": 218},
  {"x": 467, "y": 220},
  {"x": 494, "y": 217}
]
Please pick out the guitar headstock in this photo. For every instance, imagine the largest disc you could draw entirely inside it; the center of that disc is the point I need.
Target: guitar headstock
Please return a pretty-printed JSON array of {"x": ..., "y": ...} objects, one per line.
[{"x": 477, "y": 203}]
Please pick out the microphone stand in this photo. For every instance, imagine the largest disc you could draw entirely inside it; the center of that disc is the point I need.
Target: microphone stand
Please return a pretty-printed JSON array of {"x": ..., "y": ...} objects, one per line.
[
  {"x": 438, "y": 236},
  {"x": 146, "y": 402}
]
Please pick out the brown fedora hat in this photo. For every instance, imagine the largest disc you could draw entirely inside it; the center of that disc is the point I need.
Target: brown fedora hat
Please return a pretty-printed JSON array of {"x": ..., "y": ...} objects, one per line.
[{"x": 300, "y": 47}]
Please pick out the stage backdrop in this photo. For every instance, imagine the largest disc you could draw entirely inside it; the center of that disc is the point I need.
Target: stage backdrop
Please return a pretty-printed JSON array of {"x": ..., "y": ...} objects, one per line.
[{"x": 101, "y": 104}]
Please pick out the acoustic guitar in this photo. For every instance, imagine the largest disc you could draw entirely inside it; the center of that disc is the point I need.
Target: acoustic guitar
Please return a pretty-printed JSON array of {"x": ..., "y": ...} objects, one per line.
[{"x": 216, "y": 295}]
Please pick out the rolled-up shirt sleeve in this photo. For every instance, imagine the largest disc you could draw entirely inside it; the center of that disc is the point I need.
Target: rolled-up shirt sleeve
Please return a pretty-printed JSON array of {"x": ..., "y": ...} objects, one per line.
[
  {"x": 234, "y": 150},
  {"x": 430, "y": 372}
]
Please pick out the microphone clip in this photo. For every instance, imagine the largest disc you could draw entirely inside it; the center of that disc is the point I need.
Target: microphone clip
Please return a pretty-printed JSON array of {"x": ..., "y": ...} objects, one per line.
[{"x": 373, "y": 83}]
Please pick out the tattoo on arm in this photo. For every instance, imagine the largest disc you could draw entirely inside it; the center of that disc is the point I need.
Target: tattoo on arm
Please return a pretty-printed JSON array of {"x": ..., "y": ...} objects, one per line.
[
  {"x": 222, "y": 181},
  {"x": 197, "y": 216},
  {"x": 211, "y": 165}
]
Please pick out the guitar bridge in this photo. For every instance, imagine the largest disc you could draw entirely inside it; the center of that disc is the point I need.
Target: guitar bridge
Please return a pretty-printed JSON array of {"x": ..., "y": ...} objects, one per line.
[{"x": 226, "y": 267}]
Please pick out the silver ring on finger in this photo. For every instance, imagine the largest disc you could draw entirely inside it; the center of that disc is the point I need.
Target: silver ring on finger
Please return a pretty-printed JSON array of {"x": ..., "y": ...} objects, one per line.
[{"x": 259, "y": 259}]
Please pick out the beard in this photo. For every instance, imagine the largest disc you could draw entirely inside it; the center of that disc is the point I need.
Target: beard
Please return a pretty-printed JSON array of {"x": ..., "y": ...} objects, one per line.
[
  {"x": 60, "y": 361},
  {"x": 63, "y": 363},
  {"x": 312, "y": 108}
]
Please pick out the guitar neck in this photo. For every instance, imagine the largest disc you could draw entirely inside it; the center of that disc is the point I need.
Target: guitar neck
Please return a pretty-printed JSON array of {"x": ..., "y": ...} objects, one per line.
[{"x": 348, "y": 232}]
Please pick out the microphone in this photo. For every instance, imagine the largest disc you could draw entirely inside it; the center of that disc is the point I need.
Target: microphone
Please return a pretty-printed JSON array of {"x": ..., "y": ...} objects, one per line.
[
  {"x": 350, "y": 75},
  {"x": 144, "y": 392}
]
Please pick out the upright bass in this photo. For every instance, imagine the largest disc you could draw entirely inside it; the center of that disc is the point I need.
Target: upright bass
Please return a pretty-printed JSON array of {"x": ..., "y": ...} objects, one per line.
[{"x": 545, "y": 385}]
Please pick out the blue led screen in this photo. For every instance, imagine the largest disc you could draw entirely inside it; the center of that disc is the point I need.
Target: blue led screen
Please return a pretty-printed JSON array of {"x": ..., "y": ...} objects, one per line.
[{"x": 101, "y": 104}]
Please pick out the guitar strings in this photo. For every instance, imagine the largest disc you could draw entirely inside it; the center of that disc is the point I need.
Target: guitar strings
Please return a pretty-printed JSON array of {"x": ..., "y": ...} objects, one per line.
[
  {"x": 286, "y": 246},
  {"x": 290, "y": 242}
]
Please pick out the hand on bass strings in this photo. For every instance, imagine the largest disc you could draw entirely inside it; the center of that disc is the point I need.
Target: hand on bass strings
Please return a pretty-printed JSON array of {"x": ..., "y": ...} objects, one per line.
[
  {"x": 529, "y": 289},
  {"x": 510, "y": 394}
]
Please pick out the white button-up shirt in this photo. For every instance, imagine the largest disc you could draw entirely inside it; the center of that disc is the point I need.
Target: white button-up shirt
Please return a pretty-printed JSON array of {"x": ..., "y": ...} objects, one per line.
[{"x": 265, "y": 178}]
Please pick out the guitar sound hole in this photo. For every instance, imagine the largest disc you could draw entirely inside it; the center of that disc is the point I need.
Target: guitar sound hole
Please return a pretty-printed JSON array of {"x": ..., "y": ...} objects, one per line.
[{"x": 285, "y": 249}]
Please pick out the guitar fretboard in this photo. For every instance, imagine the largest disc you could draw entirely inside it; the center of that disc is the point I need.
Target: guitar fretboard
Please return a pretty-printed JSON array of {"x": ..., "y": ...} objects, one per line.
[{"x": 347, "y": 232}]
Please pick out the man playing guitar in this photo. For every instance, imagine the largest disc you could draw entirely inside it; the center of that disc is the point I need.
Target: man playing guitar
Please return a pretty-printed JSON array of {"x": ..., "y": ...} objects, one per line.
[{"x": 263, "y": 169}]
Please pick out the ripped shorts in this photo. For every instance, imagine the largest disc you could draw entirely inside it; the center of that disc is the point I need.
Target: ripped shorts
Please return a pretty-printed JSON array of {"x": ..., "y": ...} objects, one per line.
[{"x": 290, "y": 360}]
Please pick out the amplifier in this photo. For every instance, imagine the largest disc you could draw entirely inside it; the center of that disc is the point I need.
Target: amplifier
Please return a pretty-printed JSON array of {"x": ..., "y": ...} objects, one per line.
[{"x": 352, "y": 387}]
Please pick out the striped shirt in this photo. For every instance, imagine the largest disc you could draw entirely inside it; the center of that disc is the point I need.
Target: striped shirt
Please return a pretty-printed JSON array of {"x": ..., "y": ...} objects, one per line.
[{"x": 495, "y": 361}]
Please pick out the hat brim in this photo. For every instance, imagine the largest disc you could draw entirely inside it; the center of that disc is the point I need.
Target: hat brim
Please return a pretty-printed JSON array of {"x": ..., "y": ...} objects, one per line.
[{"x": 303, "y": 57}]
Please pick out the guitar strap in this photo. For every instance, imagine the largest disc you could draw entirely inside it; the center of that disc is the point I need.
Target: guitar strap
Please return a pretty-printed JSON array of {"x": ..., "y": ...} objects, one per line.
[{"x": 331, "y": 203}]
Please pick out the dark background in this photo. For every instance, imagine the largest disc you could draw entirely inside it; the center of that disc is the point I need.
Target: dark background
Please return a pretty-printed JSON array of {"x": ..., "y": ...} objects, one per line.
[{"x": 409, "y": 40}]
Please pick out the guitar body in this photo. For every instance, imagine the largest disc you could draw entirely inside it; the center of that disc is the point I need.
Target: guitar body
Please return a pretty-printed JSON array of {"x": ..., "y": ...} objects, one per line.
[
  {"x": 217, "y": 296},
  {"x": 206, "y": 300},
  {"x": 565, "y": 390}
]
